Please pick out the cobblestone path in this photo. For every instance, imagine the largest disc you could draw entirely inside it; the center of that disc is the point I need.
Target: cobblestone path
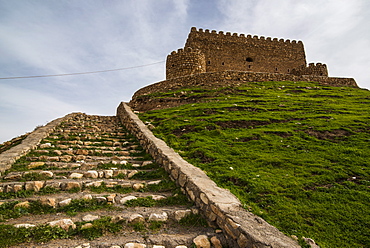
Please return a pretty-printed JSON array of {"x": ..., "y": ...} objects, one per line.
[{"x": 90, "y": 184}]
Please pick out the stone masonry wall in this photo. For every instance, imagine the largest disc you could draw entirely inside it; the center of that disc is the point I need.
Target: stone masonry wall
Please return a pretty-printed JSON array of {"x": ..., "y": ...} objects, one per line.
[
  {"x": 312, "y": 69},
  {"x": 219, "y": 206},
  {"x": 224, "y": 52},
  {"x": 8, "y": 157},
  {"x": 231, "y": 78},
  {"x": 185, "y": 62}
]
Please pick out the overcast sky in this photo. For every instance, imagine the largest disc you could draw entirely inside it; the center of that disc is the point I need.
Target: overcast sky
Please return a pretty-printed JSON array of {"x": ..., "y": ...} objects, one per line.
[{"x": 43, "y": 37}]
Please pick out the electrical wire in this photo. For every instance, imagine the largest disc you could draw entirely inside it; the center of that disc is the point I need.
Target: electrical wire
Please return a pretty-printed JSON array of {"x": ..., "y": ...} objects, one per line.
[{"x": 81, "y": 73}]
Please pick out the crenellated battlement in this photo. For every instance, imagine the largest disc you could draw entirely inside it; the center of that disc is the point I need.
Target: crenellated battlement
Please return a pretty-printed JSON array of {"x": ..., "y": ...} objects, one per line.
[
  {"x": 187, "y": 50},
  {"x": 317, "y": 69},
  {"x": 238, "y": 37},
  {"x": 213, "y": 51},
  {"x": 208, "y": 51}
]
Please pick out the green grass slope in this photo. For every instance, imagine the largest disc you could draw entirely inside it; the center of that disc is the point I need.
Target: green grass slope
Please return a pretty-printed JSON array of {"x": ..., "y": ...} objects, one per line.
[{"x": 295, "y": 153}]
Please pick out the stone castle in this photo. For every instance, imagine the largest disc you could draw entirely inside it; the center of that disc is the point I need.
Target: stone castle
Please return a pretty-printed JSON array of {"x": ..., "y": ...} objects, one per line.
[
  {"x": 75, "y": 153},
  {"x": 207, "y": 51},
  {"x": 210, "y": 60}
]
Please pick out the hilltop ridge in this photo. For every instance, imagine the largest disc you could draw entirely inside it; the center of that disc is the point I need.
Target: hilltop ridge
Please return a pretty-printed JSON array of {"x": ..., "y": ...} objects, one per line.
[{"x": 294, "y": 153}]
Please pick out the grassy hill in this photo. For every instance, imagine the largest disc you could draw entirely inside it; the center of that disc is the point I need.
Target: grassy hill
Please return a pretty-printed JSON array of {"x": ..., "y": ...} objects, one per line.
[{"x": 295, "y": 153}]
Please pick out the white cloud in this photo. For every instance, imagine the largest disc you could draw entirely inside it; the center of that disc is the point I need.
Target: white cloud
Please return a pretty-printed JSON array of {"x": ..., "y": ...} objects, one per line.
[
  {"x": 22, "y": 110},
  {"x": 334, "y": 32},
  {"x": 38, "y": 37}
]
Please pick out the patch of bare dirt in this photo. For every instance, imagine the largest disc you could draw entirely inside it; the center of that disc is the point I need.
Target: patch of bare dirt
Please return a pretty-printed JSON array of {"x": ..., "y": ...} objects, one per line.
[
  {"x": 329, "y": 135},
  {"x": 146, "y": 103}
]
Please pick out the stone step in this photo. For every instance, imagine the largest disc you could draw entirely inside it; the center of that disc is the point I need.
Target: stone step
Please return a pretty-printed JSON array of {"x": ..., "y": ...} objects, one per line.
[
  {"x": 129, "y": 238},
  {"x": 171, "y": 215},
  {"x": 89, "y": 147},
  {"x": 95, "y": 156},
  {"x": 72, "y": 174},
  {"x": 82, "y": 149},
  {"x": 70, "y": 165},
  {"x": 79, "y": 138},
  {"x": 90, "y": 164},
  {"x": 72, "y": 184},
  {"x": 53, "y": 200},
  {"x": 69, "y": 158},
  {"x": 147, "y": 226}
]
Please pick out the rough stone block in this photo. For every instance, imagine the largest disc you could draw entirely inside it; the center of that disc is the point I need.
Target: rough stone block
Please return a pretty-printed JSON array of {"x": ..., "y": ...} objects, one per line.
[
  {"x": 91, "y": 174},
  {"x": 202, "y": 241},
  {"x": 33, "y": 165},
  {"x": 76, "y": 175},
  {"x": 127, "y": 198},
  {"x": 158, "y": 217},
  {"x": 135, "y": 218},
  {"x": 64, "y": 224},
  {"x": 65, "y": 202},
  {"x": 180, "y": 214},
  {"x": 35, "y": 185},
  {"x": 204, "y": 198},
  {"x": 71, "y": 185}
]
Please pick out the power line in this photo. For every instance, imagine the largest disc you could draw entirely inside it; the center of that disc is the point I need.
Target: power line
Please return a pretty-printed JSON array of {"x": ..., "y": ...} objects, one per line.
[{"x": 81, "y": 73}]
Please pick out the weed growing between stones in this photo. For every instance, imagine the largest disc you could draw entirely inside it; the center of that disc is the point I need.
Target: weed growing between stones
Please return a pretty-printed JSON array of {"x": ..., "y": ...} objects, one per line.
[
  {"x": 10, "y": 210},
  {"x": 294, "y": 153},
  {"x": 159, "y": 173},
  {"x": 34, "y": 176},
  {"x": 164, "y": 186},
  {"x": 99, "y": 228},
  {"x": 12, "y": 235},
  {"x": 18, "y": 194},
  {"x": 193, "y": 220},
  {"x": 116, "y": 189},
  {"x": 155, "y": 225},
  {"x": 138, "y": 226}
]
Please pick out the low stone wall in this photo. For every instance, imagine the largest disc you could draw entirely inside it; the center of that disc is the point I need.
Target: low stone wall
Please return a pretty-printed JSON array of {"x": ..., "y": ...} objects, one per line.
[
  {"x": 219, "y": 206},
  {"x": 8, "y": 157},
  {"x": 234, "y": 78}
]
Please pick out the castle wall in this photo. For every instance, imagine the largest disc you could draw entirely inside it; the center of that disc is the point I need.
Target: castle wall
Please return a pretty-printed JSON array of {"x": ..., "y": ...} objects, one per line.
[
  {"x": 230, "y": 78},
  {"x": 224, "y": 52}
]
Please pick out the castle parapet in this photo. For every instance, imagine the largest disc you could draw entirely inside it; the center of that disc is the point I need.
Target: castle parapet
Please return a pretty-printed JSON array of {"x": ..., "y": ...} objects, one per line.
[
  {"x": 316, "y": 70},
  {"x": 238, "y": 37}
]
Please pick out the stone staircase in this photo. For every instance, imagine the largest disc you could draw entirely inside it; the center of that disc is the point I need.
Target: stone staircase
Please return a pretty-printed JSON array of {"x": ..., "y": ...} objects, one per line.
[{"x": 90, "y": 184}]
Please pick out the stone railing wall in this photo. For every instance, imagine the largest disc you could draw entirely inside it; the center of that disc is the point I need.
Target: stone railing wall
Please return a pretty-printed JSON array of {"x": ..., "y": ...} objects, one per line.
[
  {"x": 220, "y": 207},
  {"x": 8, "y": 157}
]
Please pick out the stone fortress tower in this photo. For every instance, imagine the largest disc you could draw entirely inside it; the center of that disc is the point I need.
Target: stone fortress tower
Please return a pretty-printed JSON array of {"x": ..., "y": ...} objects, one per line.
[
  {"x": 207, "y": 51},
  {"x": 210, "y": 60}
]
